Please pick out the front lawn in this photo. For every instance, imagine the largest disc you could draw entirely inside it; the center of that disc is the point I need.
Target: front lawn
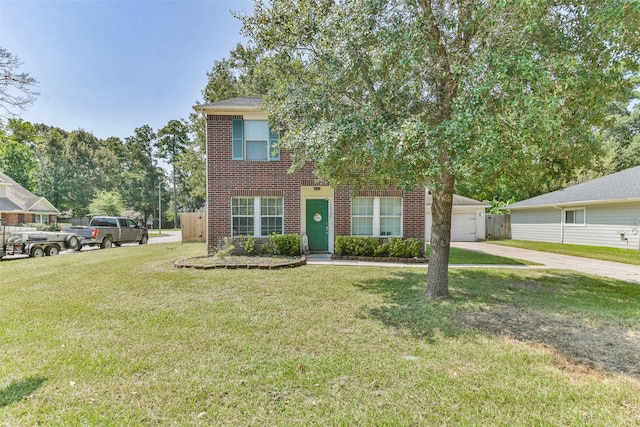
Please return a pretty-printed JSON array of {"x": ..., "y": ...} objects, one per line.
[
  {"x": 626, "y": 256},
  {"x": 120, "y": 337},
  {"x": 462, "y": 256}
]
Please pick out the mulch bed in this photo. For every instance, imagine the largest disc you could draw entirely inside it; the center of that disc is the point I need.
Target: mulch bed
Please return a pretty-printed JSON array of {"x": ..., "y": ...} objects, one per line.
[{"x": 240, "y": 262}]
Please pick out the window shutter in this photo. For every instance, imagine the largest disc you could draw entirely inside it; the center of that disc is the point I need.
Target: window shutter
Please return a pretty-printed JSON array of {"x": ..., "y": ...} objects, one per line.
[
  {"x": 274, "y": 146},
  {"x": 237, "y": 139}
]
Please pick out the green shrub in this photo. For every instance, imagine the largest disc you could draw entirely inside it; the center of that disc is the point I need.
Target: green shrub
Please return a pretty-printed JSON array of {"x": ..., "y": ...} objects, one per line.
[
  {"x": 249, "y": 244},
  {"x": 356, "y": 245},
  {"x": 409, "y": 248},
  {"x": 371, "y": 246},
  {"x": 285, "y": 244}
]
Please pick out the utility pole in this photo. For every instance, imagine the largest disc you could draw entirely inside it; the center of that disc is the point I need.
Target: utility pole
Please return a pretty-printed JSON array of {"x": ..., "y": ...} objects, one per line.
[{"x": 160, "y": 208}]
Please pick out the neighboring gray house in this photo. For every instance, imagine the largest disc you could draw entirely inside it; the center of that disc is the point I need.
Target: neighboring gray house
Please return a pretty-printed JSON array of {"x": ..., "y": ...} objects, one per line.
[{"x": 601, "y": 212}]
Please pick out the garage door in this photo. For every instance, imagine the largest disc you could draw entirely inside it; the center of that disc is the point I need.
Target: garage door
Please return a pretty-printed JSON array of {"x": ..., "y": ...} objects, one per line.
[{"x": 463, "y": 227}]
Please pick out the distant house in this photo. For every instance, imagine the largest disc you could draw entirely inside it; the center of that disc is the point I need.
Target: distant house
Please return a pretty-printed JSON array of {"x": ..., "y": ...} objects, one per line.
[
  {"x": 19, "y": 206},
  {"x": 251, "y": 193},
  {"x": 601, "y": 212}
]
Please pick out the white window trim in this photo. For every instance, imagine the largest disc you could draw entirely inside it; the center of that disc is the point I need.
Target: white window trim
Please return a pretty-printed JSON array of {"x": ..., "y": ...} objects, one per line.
[
  {"x": 573, "y": 224},
  {"x": 376, "y": 216},
  {"x": 41, "y": 219},
  {"x": 272, "y": 148},
  {"x": 257, "y": 214}
]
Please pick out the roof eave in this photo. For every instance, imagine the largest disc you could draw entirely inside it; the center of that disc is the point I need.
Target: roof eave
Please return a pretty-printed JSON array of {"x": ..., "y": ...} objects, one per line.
[{"x": 576, "y": 203}]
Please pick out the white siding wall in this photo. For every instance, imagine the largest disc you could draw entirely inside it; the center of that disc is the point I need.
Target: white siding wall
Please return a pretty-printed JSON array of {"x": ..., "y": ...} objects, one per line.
[
  {"x": 467, "y": 224},
  {"x": 611, "y": 225},
  {"x": 539, "y": 225}
]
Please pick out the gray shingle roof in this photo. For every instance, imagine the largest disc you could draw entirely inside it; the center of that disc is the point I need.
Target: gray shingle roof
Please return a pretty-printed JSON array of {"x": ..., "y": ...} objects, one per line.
[
  {"x": 458, "y": 201},
  {"x": 19, "y": 199},
  {"x": 620, "y": 186}
]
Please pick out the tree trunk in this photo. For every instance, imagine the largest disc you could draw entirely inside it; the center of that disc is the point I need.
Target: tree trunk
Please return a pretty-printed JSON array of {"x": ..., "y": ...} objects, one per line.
[{"x": 441, "y": 207}]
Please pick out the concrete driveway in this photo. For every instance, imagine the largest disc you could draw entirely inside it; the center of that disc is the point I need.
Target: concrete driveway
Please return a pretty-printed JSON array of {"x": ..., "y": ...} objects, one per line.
[{"x": 614, "y": 270}]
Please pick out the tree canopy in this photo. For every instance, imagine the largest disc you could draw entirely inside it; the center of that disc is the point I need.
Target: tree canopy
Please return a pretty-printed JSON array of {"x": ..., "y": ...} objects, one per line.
[{"x": 426, "y": 92}]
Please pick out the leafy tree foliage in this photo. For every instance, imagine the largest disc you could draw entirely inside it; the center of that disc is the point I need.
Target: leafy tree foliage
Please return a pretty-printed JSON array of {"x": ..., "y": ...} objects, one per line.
[
  {"x": 107, "y": 203},
  {"x": 71, "y": 168},
  {"x": 140, "y": 172},
  {"x": 16, "y": 155},
  {"x": 16, "y": 88},
  {"x": 427, "y": 92},
  {"x": 622, "y": 140},
  {"x": 172, "y": 142}
]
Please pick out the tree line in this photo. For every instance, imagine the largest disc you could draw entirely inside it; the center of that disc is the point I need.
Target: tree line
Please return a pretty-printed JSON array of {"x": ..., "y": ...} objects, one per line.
[{"x": 83, "y": 175}]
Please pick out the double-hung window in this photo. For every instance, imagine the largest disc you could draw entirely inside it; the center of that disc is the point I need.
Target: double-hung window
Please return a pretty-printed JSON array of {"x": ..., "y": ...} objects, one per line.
[
  {"x": 574, "y": 216},
  {"x": 254, "y": 140},
  {"x": 42, "y": 219},
  {"x": 256, "y": 216},
  {"x": 376, "y": 216}
]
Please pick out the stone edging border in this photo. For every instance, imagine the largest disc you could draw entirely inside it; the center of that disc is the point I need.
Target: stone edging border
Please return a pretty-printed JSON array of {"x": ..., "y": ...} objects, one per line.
[{"x": 183, "y": 263}]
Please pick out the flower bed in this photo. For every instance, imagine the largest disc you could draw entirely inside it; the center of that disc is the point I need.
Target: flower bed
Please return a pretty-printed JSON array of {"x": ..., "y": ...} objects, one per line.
[{"x": 240, "y": 262}]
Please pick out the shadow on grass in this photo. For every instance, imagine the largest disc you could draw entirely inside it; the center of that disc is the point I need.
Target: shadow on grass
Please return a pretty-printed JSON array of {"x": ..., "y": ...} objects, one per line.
[
  {"x": 18, "y": 390},
  {"x": 587, "y": 321},
  {"x": 406, "y": 308}
]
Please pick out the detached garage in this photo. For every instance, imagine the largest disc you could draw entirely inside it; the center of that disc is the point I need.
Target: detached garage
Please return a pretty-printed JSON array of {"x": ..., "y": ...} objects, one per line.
[{"x": 467, "y": 219}]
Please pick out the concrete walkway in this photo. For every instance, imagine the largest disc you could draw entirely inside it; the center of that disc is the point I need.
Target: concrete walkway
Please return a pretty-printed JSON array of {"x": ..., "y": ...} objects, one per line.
[{"x": 614, "y": 270}]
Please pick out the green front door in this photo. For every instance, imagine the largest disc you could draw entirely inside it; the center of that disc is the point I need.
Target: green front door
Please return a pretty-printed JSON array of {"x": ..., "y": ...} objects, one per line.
[{"x": 318, "y": 225}]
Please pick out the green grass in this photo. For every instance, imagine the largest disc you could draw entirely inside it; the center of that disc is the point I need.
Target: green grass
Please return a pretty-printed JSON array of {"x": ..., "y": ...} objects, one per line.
[
  {"x": 626, "y": 256},
  {"x": 462, "y": 256},
  {"x": 120, "y": 337}
]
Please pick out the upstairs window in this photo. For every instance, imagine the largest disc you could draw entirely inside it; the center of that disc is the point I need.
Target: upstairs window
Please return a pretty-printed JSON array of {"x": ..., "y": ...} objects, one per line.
[
  {"x": 574, "y": 216},
  {"x": 254, "y": 140}
]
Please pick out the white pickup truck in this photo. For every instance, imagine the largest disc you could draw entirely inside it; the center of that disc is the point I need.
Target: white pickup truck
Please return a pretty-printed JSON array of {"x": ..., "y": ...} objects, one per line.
[{"x": 105, "y": 231}]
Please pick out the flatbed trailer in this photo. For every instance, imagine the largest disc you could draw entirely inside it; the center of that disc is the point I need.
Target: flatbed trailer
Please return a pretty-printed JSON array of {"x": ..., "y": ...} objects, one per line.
[{"x": 40, "y": 243}]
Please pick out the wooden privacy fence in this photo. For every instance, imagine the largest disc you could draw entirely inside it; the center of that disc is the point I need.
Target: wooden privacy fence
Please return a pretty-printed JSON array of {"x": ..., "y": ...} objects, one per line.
[
  {"x": 194, "y": 226},
  {"x": 498, "y": 226}
]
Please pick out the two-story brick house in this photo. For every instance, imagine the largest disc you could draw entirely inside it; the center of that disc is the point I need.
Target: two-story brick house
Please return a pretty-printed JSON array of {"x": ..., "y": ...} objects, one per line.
[{"x": 250, "y": 192}]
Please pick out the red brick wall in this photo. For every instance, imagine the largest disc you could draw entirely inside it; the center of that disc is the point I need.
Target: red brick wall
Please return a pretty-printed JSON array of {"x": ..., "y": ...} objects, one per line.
[{"x": 228, "y": 178}]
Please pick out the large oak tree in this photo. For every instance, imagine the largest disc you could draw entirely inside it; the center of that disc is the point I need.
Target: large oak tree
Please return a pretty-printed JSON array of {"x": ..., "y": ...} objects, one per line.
[{"x": 424, "y": 92}]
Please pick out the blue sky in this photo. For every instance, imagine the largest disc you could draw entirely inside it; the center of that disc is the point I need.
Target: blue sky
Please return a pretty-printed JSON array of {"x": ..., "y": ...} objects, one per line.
[{"x": 110, "y": 66}]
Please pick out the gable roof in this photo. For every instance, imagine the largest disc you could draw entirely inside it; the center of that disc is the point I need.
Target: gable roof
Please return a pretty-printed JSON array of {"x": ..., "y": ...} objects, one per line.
[
  {"x": 617, "y": 187},
  {"x": 18, "y": 199},
  {"x": 458, "y": 201}
]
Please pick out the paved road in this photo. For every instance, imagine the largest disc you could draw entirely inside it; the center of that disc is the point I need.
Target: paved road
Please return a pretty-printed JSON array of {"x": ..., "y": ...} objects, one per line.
[
  {"x": 167, "y": 237},
  {"x": 615, "y": 270}
]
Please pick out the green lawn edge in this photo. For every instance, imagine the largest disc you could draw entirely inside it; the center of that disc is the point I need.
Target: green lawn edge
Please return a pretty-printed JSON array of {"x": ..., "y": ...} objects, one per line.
[{"x": 625, "y": 256}]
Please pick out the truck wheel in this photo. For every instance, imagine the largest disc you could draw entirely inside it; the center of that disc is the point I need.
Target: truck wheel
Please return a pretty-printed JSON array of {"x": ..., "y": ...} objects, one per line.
[
  {"x": 37, "y": 252},
  {"x": 106, "y": 243},
  {"x": 73, "y": 243},
  {"x": 144, "y": 240},
  {"x": 52, "y": 250}
]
